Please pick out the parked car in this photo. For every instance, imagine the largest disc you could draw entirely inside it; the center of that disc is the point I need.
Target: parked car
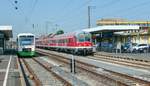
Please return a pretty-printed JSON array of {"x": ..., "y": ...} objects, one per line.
[
  {"x": 141, "y": 48},
  {"x": 129, "y": 47}
]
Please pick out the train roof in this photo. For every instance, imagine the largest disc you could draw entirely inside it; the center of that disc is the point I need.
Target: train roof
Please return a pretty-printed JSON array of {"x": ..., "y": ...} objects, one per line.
[
  {"x": 68, "y": 35},
  {"x": 22, "y": 34},
  {"x": 65, "y": 35}
]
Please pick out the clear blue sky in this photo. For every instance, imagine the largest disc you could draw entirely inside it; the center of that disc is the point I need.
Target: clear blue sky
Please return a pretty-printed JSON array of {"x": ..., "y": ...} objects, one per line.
[{"x": 69, "y": 15}]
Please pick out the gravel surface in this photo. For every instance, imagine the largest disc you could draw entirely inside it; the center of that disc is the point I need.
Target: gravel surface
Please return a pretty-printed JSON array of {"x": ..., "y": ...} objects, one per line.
[
  {"x": 45, "y": 77},
  {"x": 89, "y": 78}
]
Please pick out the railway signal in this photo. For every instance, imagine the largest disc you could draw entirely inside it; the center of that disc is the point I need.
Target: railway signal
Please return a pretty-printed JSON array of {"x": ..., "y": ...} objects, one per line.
[{"x": 72, "y": 65}]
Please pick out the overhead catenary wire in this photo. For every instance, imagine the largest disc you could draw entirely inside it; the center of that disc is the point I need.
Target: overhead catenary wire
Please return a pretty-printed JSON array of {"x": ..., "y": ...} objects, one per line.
[
  {"x": 66, "y": 6},
  {"x": 69, "y": 19},
  {"x": 125, "y": 10},
  {"x": 78, "y": 11},
  {"x": 135, "y": 7},
  {"x": 26, "y": 16},
  {"x": 112, "y": 2},
  {"x": 108, "y": 4},
  {"x": 19, "y": 10},
  {"x": 14, "y": 6},
  {"x": 32, "y": 9}
]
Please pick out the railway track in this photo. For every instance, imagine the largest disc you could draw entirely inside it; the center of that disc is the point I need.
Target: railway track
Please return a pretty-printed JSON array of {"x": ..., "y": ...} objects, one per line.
[
  {"x": 122, "y": 61},
  {"x": 38, "y": 75},
  {"x": 82, "y": 73},
  {"x": 129, "y": 57},
  {"x": 30, "y": 77},
  {"x": 120, "y": 79}
]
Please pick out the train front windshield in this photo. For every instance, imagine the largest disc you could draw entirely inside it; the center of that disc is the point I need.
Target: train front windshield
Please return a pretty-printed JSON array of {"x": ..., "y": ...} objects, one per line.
[
  {"x": 26, "y": 40},
  {"x": 84, "y": 37}
]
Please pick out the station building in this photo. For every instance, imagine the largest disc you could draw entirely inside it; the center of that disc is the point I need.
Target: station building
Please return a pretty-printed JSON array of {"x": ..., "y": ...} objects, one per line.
[
  {"x": 110, "y": 33},
  {"x": 5, "y": 37},
  {"x": 108, "y": 37},
  {"x": 141, "y": 35}
]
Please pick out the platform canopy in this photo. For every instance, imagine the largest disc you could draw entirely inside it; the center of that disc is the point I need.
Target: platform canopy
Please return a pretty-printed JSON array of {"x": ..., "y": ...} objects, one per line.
[
  {"x": 7, "y": 30},
  {"x": 113, "y": 28}
]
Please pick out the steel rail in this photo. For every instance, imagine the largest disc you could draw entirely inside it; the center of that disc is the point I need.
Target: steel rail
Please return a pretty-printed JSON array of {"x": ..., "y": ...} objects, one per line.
[
  {"x": 125, "y": 59},
  {"x": 123, "y": 62},
  {"x": 84, "y": 66},
  {"x": 48, "y": 68},
  {"x": 32, "y": 74},
  {"x": 122, "y": 57},
  {"x": 23, "y": 72},
  {"x": 116, "y": 73},
  {"x": 23, "y": 78}
]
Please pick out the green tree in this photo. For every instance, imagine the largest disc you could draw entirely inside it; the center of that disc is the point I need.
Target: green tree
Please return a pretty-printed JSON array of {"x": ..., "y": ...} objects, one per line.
[{"x": 59, "y": 32}]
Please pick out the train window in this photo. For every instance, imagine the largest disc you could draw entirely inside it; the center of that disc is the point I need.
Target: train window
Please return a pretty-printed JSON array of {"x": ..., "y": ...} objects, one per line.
[
  {"x": 67, "y": 40},
  {"x": 70, "y": 40},
  {"x": 53, "y": 41},
  {"x": 49, "y": 41},
  {"x": 87, "y": 37},
  {"x": 84, "y": 37},
  {"x": 26, "y": 40},
  {"x": 62, "y": 41},
  {"x": 81, "y": 37}
]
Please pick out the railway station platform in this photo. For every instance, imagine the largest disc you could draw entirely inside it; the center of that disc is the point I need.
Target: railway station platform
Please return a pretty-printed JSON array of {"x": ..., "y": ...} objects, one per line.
[
  {"x": 110, "y": 37},
  {"x": 134, "y": 56},
  {"x": 9, "y": 73}
]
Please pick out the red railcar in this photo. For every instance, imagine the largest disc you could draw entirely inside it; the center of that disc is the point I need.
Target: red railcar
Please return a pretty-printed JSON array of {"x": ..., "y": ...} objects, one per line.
[{"x": 75, "y": 42}]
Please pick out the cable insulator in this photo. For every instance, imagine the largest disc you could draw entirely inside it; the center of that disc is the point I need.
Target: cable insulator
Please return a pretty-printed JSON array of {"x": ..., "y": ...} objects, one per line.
[
  {"x": 16, "y": 1},
  {"x": 16, "y": 8}
]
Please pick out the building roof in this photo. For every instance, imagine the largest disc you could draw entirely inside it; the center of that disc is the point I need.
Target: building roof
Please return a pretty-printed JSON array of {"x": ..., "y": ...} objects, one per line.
[
  {"x": 112, "y": 28},
  {"x": 7, "y": 30},
  {"x": 114, "y": 21}
]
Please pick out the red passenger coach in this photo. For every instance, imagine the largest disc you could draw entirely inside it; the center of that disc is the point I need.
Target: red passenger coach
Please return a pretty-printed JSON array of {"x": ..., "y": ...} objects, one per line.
[{"x": 75, "y": 43}]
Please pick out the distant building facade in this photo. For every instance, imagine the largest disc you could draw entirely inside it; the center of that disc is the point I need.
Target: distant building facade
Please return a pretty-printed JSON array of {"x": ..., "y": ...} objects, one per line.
[
  {"x": 5, "y": 35},
  {"x": 136, "y": 36}
]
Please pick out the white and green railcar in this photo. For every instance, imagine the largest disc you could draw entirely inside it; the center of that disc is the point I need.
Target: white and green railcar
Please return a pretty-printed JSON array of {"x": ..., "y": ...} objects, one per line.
[{"x": 25, "y": 44}]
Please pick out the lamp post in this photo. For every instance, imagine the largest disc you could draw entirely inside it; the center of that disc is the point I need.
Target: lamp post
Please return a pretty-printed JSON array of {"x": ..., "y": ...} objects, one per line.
[{"x": 89, "y": 15}]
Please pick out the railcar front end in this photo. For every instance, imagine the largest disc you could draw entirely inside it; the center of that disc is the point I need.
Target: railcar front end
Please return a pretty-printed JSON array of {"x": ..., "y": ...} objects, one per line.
[
  {"x": 26, "y": 45},
  {"x": 84, "y": 43}
]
